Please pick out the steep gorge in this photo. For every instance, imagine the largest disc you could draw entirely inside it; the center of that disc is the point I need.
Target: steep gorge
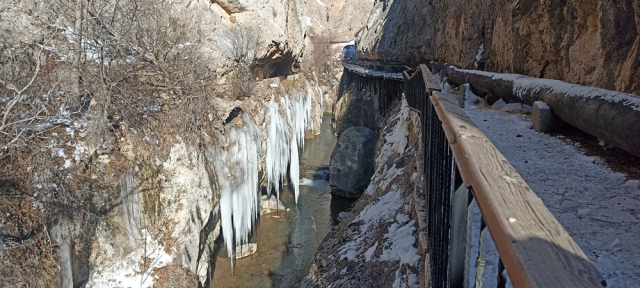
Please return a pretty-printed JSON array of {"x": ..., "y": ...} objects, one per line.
[{"x": 139, "y": 198}]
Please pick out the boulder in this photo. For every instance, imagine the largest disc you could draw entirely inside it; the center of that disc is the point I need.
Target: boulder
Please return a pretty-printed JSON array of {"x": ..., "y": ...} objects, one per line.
[
  {"x": 271, "y": 204},
  {"x": 352, "y": 162},
  {"x": 246, "y": 250},
  {"x": 355, "y": 109},
  {"x": 543, "y": 120}
]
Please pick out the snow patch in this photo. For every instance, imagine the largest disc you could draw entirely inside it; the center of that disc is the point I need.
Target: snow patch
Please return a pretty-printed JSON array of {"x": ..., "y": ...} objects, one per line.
[
  {"x": 400, "y": 242},
  {"x": 128, "y": 273}
]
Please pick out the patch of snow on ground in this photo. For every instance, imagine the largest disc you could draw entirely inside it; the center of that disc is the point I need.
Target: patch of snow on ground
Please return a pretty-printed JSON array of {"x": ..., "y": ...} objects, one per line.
[
  {"x": 370, "y": 251},
  {"x": 400, "y": 242},
  {"x": 569, "y": 181},
  {"x": 128, "y": 273},
  {"x": 396, "y": 141},
  {"x": 405, "y": 281},
  {"x": 320, "y": 2},
  {"x": 382, "y": 209}
]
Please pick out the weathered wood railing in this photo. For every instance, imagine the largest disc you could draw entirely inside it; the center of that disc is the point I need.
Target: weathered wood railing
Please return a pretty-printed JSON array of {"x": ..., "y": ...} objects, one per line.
[{"x": 460, "y": 164}]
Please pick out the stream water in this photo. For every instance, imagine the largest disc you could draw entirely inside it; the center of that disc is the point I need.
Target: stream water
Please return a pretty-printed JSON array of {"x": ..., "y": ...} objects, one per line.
[{"x": 287, "y": 241}]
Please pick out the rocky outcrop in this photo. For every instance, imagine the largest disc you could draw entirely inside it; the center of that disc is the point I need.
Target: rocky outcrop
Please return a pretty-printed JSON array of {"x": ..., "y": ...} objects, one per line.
[
  {"x": 376, "y": 245},
  {"x": 593, "y": 43},
  {"x": 359, "y": 111},
  {"x": 340, "y": 110},
  {"x": 337, "y": 20},
  {"x": 352, "y": 162}
]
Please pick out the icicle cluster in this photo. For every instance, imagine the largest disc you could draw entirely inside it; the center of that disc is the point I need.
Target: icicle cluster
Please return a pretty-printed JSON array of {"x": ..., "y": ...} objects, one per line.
[
  {"x": 237, "y": 173},
  {"x": 236, "y": 164},
  {"x": 283, "y": 150},
  {"x": 278, "y": 152}
]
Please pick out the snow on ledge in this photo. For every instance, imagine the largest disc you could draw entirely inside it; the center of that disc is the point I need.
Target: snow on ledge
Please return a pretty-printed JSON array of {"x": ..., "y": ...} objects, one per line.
[{"x": 523, "y": 85}]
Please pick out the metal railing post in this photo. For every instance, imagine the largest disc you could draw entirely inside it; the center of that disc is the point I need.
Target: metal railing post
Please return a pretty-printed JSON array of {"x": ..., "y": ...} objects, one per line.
[
  {"x": 480, "y": 261},
  {"x": 460, "y": 233}
]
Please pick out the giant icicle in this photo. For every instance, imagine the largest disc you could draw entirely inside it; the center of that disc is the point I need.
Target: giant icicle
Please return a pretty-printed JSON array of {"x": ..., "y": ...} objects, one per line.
[
  {"x": 236, "y": 163},
  {"x": 299, "y": 118},
  {"x": 237, "y": 172},
  {"x": 277, "y": 154}
]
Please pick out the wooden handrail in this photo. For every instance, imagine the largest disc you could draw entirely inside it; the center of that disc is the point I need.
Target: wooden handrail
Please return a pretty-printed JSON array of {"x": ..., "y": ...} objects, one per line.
[
  {"x": 535, "y": 248},
  {"x": 429, "y": 80},
  {"x": 410, "y": 77}
]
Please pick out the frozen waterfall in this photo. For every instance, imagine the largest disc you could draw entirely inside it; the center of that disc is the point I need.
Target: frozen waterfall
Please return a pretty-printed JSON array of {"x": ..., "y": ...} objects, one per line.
[{"x": 236, "y": 162}]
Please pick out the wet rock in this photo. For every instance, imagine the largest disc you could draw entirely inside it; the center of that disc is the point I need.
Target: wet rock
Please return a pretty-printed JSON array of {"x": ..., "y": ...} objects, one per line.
[
  {"x": 343, "y": 215},
  {"x": 352, "y": 162},
  {"x": 271, "y": 204},
  {"x": 246, "y": 250}
]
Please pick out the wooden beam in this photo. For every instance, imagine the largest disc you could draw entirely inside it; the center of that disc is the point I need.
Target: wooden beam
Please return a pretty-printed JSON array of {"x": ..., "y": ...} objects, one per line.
[{"x": 429, "y": 79}]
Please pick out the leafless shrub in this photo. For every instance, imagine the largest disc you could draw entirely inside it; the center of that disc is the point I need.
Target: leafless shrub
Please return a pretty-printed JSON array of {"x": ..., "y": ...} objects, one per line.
[
  {"x": 240, "y": 46},
  {"x": 131, "y": 70},
  {"x": 26, "y": 253},
  {"x": 321, "y": 58}
]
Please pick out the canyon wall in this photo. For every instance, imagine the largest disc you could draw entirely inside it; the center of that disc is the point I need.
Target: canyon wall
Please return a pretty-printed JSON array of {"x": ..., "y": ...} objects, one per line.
[
  {"x": 591, "y": 43},
  {"x": 132, "y": 186}
]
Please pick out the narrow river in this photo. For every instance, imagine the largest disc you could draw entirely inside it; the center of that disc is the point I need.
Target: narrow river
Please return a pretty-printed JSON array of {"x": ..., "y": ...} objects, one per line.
[{"x": 287, "y": 241}]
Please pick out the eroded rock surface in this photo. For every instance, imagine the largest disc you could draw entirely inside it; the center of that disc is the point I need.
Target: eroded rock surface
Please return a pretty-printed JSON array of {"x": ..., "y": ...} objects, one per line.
[
  {"x": 352, "y": 162},
  {"x": 376, "y": 245},
  {"x": 592, "y": 43}
]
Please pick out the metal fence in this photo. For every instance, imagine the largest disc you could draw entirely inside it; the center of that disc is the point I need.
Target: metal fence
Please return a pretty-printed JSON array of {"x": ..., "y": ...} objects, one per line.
[{"x": 460, "y": 164}]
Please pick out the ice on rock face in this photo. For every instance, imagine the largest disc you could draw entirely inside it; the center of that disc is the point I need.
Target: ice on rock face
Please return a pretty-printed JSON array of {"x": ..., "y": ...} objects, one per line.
[
  {"x": 277, "y": 154},
  {"x": 281, "y": 150},
  {"x": 236, "y": 163},
  {"x": 294, "y": 172},
  {"x": 237, "y": 173}
]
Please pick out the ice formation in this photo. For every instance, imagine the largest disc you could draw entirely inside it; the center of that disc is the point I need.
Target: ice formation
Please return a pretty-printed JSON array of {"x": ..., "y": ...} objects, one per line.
[
  {"x": 281, "y": 150},
  {"x": 277, "y": 154},
  {"x": 236, "y": 162},
  {"x": 237, "y": 172}
]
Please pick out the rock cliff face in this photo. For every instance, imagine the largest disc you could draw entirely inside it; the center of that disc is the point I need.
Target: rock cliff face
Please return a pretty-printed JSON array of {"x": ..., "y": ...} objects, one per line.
[
  {"x": 591, "y": 43},
  {"x": 376, "y": 246},
  {"x": 171, "y": 208},
  {"x": 338, "y": 20}
]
